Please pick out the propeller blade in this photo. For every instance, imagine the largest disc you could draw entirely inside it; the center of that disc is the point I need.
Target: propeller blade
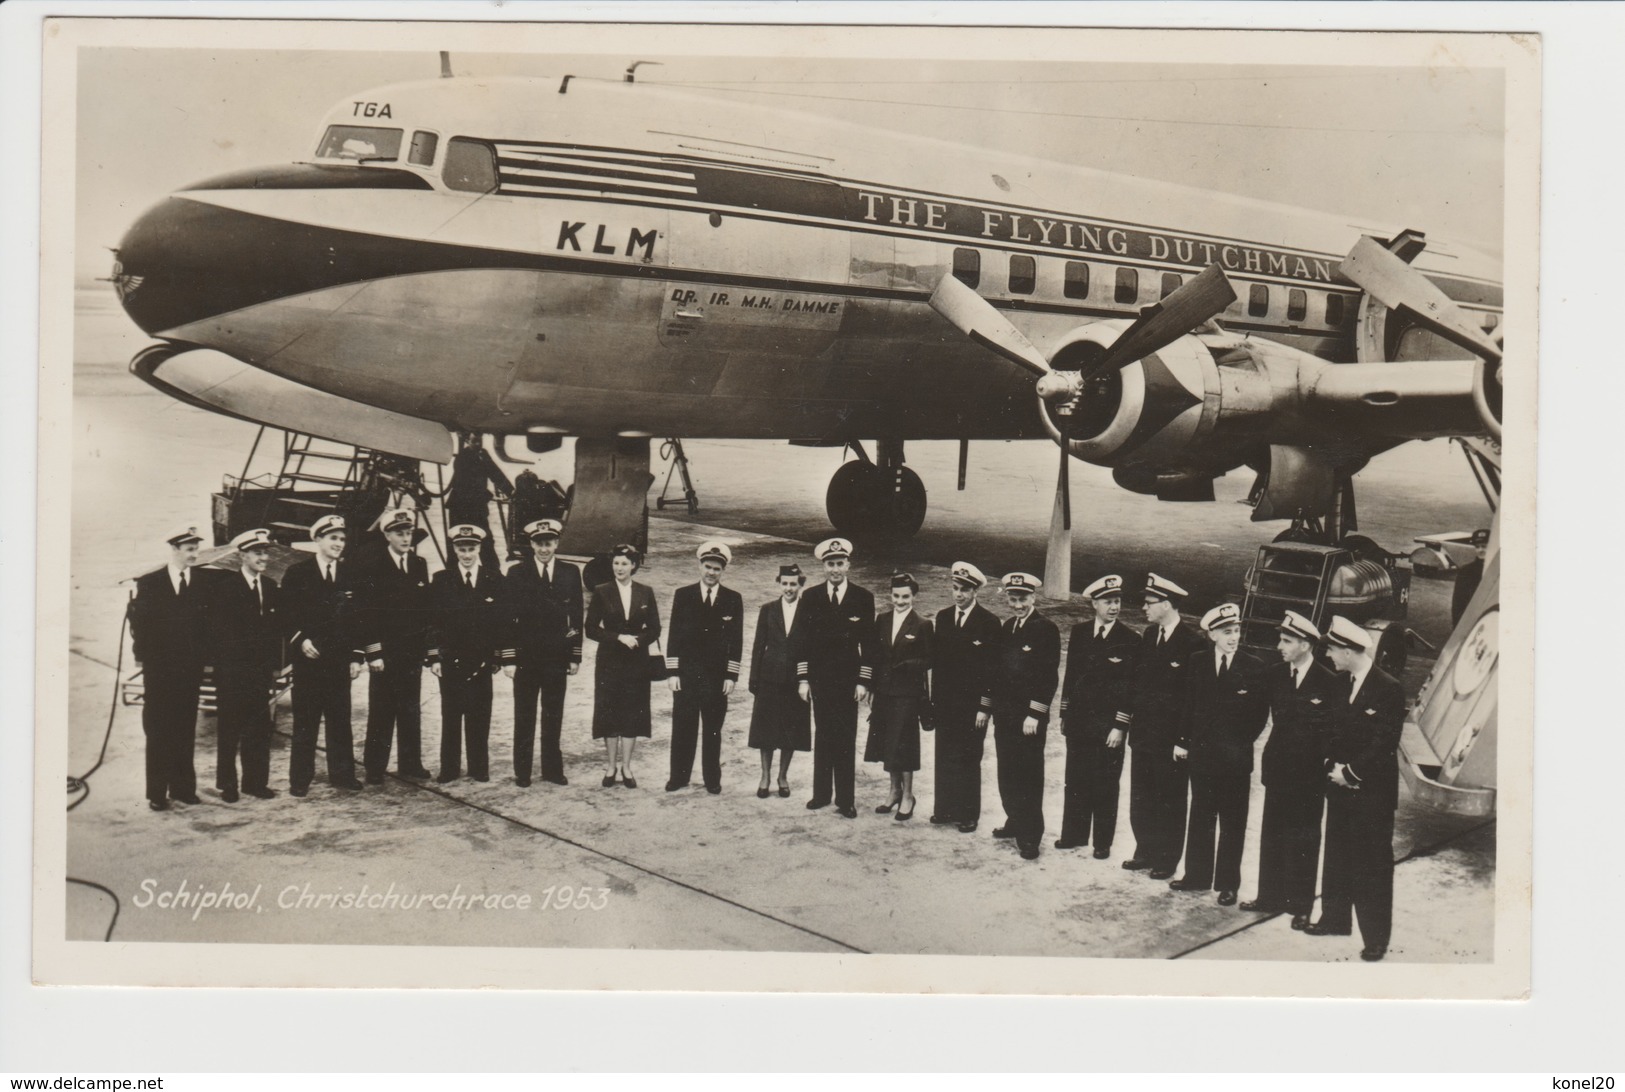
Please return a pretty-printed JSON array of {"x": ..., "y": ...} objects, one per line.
[
  {"x": 1399, "y": 287},
  {"x": 978, "y": 320},
  {"x": 1184, "y": 309},
  {"x": 1063, "y": 477},
  {"x": 1058, "y": 553}
]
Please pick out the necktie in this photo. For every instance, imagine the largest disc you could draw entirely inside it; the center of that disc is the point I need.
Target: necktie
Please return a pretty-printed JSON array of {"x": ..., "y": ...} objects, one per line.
[
  {"x": 403, "y": 565},
  {"x": 1100, "y": 633},
  {"x": 547, "y": 574},
  {"x": 184, "y": 582},
  {"x": 837, "y": 597},
  {"x": 327, "y": 573},
  {"x": 259, "y": 595},
  {"x": 468, "y": 577},
  {"x": 961, "y": 623},
  {"x": 1224, "y": 666},
  {"x": 1156, "y": 642},
  {"x": 708, "y": 598}
]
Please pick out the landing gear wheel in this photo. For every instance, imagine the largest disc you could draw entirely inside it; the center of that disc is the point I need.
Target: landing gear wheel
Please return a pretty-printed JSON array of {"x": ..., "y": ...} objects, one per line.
[
  {"x": 851, "y": 497},
  {"x": 865, "y": 500},
  {"x": 1393, "y": 649}
]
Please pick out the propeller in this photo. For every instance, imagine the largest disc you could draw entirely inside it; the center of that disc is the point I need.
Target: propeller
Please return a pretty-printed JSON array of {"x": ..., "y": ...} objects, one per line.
[
  {"x": 1400, "y": 288},
  {"x": 1159, "y": 325}
]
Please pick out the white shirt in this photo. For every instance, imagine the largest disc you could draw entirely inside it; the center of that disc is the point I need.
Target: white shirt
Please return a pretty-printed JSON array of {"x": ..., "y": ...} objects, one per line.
[
  {"x": 788, "y": 609},
  {"x": 897, "y": 620},
  {"x": 329, "y": 569},
  {"x": 1298, "y": 672},
  {"x": 708, "y": 595},
  {"x": 625, "y": 592},
  {"x": 175, "y": 576},
  {"x": 399, "y": 560},
  {"x": 1358, "y": 675},
  {"x": 1218, "y": 660},
  {"x": 542, "y": 568},
  {"x": 1102, "y": 629},
  {"x": 835, "y": 591},
  {"x": 962, "y": 615},
  {"x": 465, "y": 575}
]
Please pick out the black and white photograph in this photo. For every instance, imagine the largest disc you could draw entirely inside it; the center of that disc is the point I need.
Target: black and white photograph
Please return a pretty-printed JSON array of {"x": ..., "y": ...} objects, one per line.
[{"x": 871, "y": 509}]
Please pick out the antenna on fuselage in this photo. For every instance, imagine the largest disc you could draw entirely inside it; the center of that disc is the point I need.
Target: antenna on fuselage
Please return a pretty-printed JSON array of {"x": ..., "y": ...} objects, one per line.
[
  {"x": 633, "y": 67},
  {"x": 445, "y": 64}
]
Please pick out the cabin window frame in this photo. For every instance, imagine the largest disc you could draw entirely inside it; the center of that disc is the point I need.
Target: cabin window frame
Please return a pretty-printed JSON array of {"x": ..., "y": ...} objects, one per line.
[
  {"x": 1126, "y": 286},
  {"x": 1338, "y": 300},
  {"x": 1028, "y": 281},
  {"x": 1073, "y": 286},
  {"x": 1258, "y": 301},
  {"x": 1297, "y": 305},
  {"x": 1171, "y": 283},
  {"x": 967, "y": 266}
]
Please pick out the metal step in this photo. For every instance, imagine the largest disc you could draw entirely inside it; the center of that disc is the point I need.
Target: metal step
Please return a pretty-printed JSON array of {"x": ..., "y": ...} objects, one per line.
[
  {"x": 328, "y": 505},
  {"x": 319, "y": 479},
  {"x": 336, "y": 456}
]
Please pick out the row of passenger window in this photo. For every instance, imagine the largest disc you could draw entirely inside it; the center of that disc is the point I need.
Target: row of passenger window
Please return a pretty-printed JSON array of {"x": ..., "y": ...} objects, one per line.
[{"x": 1126, "y": 286}]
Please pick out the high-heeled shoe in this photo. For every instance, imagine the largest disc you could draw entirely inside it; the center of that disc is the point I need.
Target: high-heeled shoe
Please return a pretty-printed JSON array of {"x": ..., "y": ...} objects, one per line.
[
  {"x": 628, "y": 781},
  {"x": 762, "y": 793},
  {"x": 885, "y": 809},
  {"x": 904, "y": 816},
  {"x": 784, "y": 788}
]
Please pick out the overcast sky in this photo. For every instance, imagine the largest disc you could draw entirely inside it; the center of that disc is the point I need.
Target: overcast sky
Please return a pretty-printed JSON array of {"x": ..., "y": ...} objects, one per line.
[{"x": 1416, "y": 146}]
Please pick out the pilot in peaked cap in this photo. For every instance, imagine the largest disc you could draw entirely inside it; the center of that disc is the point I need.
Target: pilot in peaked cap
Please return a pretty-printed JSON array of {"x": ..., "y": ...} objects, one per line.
[
  {"x": 1299, "y": 626},
  {"x": 967, "y": 574},
  {"x": 326, "y": 525},
  {"x": 398, "y": 520},
  {"x": 543, "y": 528},
  {"x": 1105, "y": 587},
  {"x": 714, "y": 551},
  {"x": 1160, "y": 587},
  {"x": 832, "y": 547},
  {"x": 1225, "y": 614},
  {"x": 466, "y": 532},
  {"x": 179, "y": 536},
  {"x": 257, "y": 539},
  {"x": 1021, "y": 583},
  {"x": 1347, "y": 634}
]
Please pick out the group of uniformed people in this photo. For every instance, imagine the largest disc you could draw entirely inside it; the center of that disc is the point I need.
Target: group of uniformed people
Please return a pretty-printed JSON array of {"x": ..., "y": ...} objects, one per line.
[{"x": 1190, "y": 706}]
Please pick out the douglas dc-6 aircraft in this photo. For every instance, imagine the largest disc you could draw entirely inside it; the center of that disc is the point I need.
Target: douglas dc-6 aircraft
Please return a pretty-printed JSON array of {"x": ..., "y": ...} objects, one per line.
[{"x": 615, "y": 261}]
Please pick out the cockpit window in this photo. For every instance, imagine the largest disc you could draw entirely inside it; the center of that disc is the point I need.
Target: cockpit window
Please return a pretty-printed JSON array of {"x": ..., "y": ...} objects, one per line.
[
  {"x": 470, "y": 165},
  {"x": 423, "y": 146},
  {"x": 360, "y": 143}
]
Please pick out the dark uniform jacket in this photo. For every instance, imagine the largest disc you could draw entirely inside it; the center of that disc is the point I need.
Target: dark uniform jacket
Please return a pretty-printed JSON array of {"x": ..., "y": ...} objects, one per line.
[
  {"x": 1157, "y": 698},
  {"x": 1224, "y": 717},
  {"x": 1365, "y": 736},
  {"x": 547, "y": 625},
  {"x": 1029, "y": 665},
  {"x": 243, "y": 637},
  {"x": 840, "y": 645},
  {"x": 704, "y": 644},
  {"x": 166, "y": 629},
  {"x": 963, "y": 658},
  {"x": 901, "y": 665},
  {"x": 1095, "y": 694},
  {"x": 394, "y": 609},
  {"x": 470, "y": 627},
  {"x": 321, "y": 614},
  {"x": 1300, "y": 725},
  {"x": 774, "y": 653}
]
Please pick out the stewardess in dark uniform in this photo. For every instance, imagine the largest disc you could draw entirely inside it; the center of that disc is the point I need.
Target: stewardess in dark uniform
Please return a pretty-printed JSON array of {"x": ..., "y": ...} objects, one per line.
[
  {"x": 545, "y": 598},
  {"x": 166, "y": 631},
  {"x": 902, "y": 683},
  {"x": 704, "y": 641},
  {"x": 320, "y": 617},
  {"x": 625, "y": 621},
  {"x": 836, "y": 672},
  {"x": 394, "y": 619},
  {"x": 1018, "y": 702},
  {"x": 467, "y": 643},
  {"x": 1226, "y": 705},
  {"x": 245, "y": 646},
  {"x": 1095, "y": 705},
  {"x": 1303, "y": 695},
  {"x": 780, "y": 719},
  {"x": 1159, "y": 785},
  {"x": 964, "y": 656},
  {"x": 1361, "y": 795}
]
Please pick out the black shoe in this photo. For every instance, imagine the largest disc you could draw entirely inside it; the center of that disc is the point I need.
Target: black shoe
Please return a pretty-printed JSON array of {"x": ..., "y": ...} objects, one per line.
[
  {"x": 292, "y": 791},
  {"x": 522, "y": 782},
  {"x": 609, "y": 781},
  {"x": 784, "y": 792},
  {"x": 557, "y": 779},
  {"x": 230, "y": 796},
  {"x": 967, "y": 828},
  {"x": 714, "y": 790},
  {"x": 1258, "y": 906},
  {"x": 1227, "y": 898},
  {"x": 480, "y": 777},
  {"x": 1300, "y": 922},
  {"x": 349, "y": 783},
  {"x": 763, "y": 794},
  {"x": 192, "y": 799},
  {"x": 1029, "y": 853},
  {"x": 1134, "y": 864},
  {"x": 1003, "y": 832},
  {"x": 941, "y": 820},
  {"x": 814, "y": 805},
  {"x": 261, "y": 794},
  {"x": 673, "y": 786},
  {"x": 1321, "y": 929},
  {"x": 849, "y": 813},
  {"x": 446, "y": 777},
  {"x": 903, "y": 816},
  {"x": 1066, "y": 843},
  {"x": 884, "y": 809},
  {"x": 1373, "y": 955},
  {"x": 416, "y": 773},
  {"x": 629, "y": 781},
  {"x": 1189, "y": 885},
  {"x": 158, "y": 805},
  {"x": 1161, "y": 873},
  {"x": 1102, "y": 852},
  {"x": 374, "y": 778}
]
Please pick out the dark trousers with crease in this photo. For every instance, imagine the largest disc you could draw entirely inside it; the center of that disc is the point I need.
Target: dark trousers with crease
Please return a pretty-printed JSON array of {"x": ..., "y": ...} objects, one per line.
[
  {"x": 700, "y": 704},
  {"x": 1021, "y": 772},
  {"x": 957, "y": 781},
  {"x": 394, "y": 700},
  {"x": 1359, "y": 874},
  {"x": 1159, "y": 786},
  {"x": 465, "y": 717},
  {"x": 835, "y": 742},
  {"x": 532, "y": 686},
  {"x": 1217, "y": 800},
  {"x": 243, "y": 726},
  {"x": 1289, "y": 846},
  {"x": 169, "y": 721},
  {"x": 1094, "y": 773},
  {"x": 321, "y": 691}
]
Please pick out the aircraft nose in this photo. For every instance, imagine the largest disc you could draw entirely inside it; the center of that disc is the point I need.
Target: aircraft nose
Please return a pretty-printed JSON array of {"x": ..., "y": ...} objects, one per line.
[{"x": 180, "y": 262}]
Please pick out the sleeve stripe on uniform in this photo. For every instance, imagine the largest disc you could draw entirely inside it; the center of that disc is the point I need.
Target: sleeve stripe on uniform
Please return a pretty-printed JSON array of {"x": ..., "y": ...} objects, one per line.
[{"x": 1039, "y": 707}]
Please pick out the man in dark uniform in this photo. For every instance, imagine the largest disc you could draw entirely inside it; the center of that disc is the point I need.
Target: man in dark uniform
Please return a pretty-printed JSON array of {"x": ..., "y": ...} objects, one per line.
[
  {"x": 836, "y": 674},
  {"x": 1361, "y": 795},
  {"x": 1095, "y": 718},
  {"x": 544, "y": 600},
  {"x": 964, "y": 656},
  {"x": 1018, "y": 702},
  {"x": 471, "y": 620},
  {"x": 1226, "y": 704},
  {"x": 245, "y": 646},
  {"x": 1159, "y": 785},
  {"x": 166, "y": 631},
  {"x": 1303, "y": 695},
  {"x": 394, "y": 620},
  {"x": 704, "y": 642},
  {"x": 319, "y": 597}
]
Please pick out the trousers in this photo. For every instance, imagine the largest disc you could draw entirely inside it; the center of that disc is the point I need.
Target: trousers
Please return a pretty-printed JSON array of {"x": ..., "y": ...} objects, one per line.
[{"x": 699, "y": 705}]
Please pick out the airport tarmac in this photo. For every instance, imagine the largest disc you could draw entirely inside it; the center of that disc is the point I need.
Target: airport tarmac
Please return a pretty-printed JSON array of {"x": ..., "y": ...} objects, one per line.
[{"x": 687, "y": 870}]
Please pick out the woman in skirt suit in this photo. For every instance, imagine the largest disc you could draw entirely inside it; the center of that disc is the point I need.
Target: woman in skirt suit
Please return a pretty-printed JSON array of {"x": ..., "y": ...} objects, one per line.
[
  {"x": 625, "y": 622},
  {"x": 902, "y": 681},
  {"x": 779, "y": 719}
]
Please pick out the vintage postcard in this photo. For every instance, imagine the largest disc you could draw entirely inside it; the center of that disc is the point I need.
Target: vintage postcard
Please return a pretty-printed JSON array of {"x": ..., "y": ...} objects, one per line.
[{"x": 883, "y": 509}]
